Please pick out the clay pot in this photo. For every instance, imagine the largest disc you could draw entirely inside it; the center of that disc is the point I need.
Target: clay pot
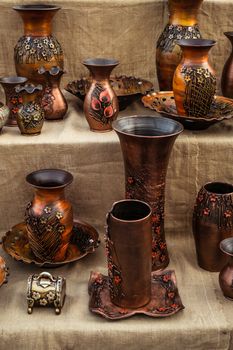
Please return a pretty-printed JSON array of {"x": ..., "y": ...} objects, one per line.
[
  {"x": 194, "y": 82},
  {"x": 101, "y": 104},
  {"x": 182, "y": 25},
  {"x": 128, "y": 244},
  {"x": 37, "y": 47},
  {"x": 146, "y": 144},
  {"x": 212, "y": 222},
  {"x": 13, "y": 100},
  {"x": 49, "y": 217},
  {"x": 227, "y": 74},
  {"x": 226, "y": 274},
  {"x": 53, "y": 101}
]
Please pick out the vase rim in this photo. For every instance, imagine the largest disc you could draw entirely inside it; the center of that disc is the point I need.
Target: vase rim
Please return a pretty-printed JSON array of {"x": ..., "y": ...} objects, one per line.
[
  {"x": 49, "y": 179},
  {"x": 226, "y": 246},
  {"x": 13, "y": 80},
  {"x": 100, "y": 62},
  {"x": 130, "y": 204},
  {"x": 196, "y": 43},
  {"x": 148, "y": 135},
  {"x": 218, "y": 187},
  {"x": 36, "y": 7}
]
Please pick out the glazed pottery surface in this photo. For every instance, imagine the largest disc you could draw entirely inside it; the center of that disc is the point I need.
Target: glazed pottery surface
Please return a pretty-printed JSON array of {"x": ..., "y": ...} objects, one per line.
[
  {"x": 227, "y": 74},
  {"x": 37, "y": 47},
  {"x": 194, "y": 82},
  {"x": 101, "y": 104},
  {"x": 212, "y": 222},
  {"x": 49, "y": 217},
  {"x": 3, "y": 272},
  {"x": 182, "y": 25},
  {"x": 4, "y": 114},
  {"x": 226, "y": 274},
  {"x": 146, "y": 143},
  {"x": 128, "y": 245}
]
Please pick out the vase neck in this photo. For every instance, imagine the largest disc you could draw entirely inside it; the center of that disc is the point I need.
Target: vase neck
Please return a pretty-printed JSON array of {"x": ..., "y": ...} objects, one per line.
[
  {"x": 100, "y": 73},
  {"x": 48, "y": 196},
  {"x": 183, "y": 12},
  {"x": 195, "y": 55}
]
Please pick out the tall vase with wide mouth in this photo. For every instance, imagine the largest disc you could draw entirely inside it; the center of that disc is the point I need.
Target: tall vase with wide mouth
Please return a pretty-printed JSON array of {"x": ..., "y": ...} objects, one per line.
[
  {"x": 212, "y": 222},
  {"x": 227, "y": 73},
  {"x": 226, "y": 274},
  {"x": 49, "y": 216},
  {"x": 194, "y": 82},
  {"x": 101, "y": 103},
  {"x": 146, "y": 144},
  {"x": 128, "y": 245},
  {"x": 13, "y": 99},
  {"x": 37, "y": 47},
  {"x": 182, "y": 25}
]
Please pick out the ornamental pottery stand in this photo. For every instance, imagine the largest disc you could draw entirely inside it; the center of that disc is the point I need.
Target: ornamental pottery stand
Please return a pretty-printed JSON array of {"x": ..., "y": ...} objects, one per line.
[
  {"x": 226, "y": 274},
  {"x": 227, "y": 74},
  {"x": 146, "y": 143},
  {"x": 212, "y": 222},
  {"x": 49, "y": 217},
  {"x": 37, "y": 47},
  {"x": 194, "y": 82},
  {"x": 182, "y": 25},
  {"x": 128, "y": 246},
  {"x": 101, "y": 103}
]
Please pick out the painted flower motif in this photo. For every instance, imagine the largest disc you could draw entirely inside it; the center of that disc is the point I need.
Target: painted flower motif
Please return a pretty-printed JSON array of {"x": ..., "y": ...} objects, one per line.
[
  {"x": 61, "y": 229},
  {"x": 190, "y": 29},
  {"x": 36, "y": 41},
  {"x": 117, "y": 279},
  {"x": 51, "y": 45},
  {"x": 95, "y": 104},
  {"x": 155, "y": 255},
  {"x": 179, "y": 28},
  {"x": 43, "y": 220},
  {"x": 27, "y": 47},
  {"x": 44, "y": 54},
  {"x": 104, "y": 96},
  {"x": 40, "y": 46},
  {"x": 166, "y": 278},
  {"x": 213, "y": 198},
  {"x": 99, "y": 280},
  {"x": 55, "y": 52},
  {"x": 49, "y": 228},
  {"x": 154, "y": 244},
  {"x": 47, "y": 210},
  {"x": 35, "y": 295},
  {"x": 200, "y": 198},
  {"x": 45, "y": 41},
  {"x": 228, "y": 214},
  {"x": 199, "y": 70},
  {"x": 206, "y": 211},
  {"x": 130, "y": 180},
  {"x": 27, "y": 118},
  {"x": 207, "y": 74},
  {"x": 108, "y": 112},
  {"x": 33, "y": 51},
  {"x": 155, "y": 218},
  {"x": 200, "y": 80},
  {"x": 171, "y": 295},
  {"x": 170, "y": 36},
  {"x": 163, "y": 245},
  {"x": 174, "y": 306},
  {"x": 187, "y": 78},
  {"x": 14, "y": 110},
  {"x": 161, "y": 309},
  {"x": 110, "y": 265},
  {"x": 20, "y": 53},
  {"x": 14, "y": 100},
  {"x": 36, "y": 117},
  {"x": 59, "y": 215},
  {"x": 170, "y": 27},
  {"x": 43, "y": 302},
  {"x": 20, "y": 99},
  {"x": 50, "y": 296},
  {"x": 179, "y": 36}
]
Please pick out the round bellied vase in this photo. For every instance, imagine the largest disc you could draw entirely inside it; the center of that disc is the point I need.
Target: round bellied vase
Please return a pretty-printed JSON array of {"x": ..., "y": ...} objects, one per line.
[
  {"x": 227, "y": 73},
  {"x": 182, "y": 25},
  {"x": 49, "y": 217},
  {"x": 194, "y": 82},
  {"x": 226, "y": 274}
]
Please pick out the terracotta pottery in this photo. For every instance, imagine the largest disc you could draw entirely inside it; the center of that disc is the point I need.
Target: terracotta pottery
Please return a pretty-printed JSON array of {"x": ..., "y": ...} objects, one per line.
[
  {"x": 49, "y": 217},
  {"x": 30, "y": 116},
  {"x": 37, "y": 47},
  {"x": 13, "y": 100},
  {"x": 182, "y": 25},
  {"x": 226, "y": 274},
  {"x": 194, "y": 82},
  {"x": 212, "y": 222},
  {"x": 101, "y": 104},
  {"x": 53, "y": 101},
  {"x": 128, "y": 245},
  {"x": 227, "y": 74},
  {"x": 146, "y": 143}
]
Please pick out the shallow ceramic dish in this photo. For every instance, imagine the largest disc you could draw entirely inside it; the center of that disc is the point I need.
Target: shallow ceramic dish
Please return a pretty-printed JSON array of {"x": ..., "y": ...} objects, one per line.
[
  {"x": 165, "y": 299},
  {"x": 84, "y": 240},
  {"x": 163, "y": 102},
  {"x": 3, "y": 272},
  {"x": 127, "y": 89}
]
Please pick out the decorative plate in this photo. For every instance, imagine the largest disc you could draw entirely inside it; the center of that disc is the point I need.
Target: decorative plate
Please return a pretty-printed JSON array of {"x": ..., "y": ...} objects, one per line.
[
  {"x": 85, "y": 240},
  {"x": 163, "y": 102},
  {"x": 3, "y": 271},
  {"x": 165, "y": 299},
  {"x": 128, "y": 89}
]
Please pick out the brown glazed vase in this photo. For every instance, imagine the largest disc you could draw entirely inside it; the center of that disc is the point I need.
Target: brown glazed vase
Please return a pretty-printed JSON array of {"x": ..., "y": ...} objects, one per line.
[
  {"x": 53, "y": 101},
  {"x": 227, "y": 74},
  {"x": 37, "y": 47},
  {"x": 226, "y": 274},
  {"x": 13, "y": 100},
  {"x": 194, "y": 82},
  {"x": 101, "y": 103},
  {"x": 182, "y": 25},
  {"x": 128, "y": 245},
  {"x": 212, "y": 222},
  {"x": 146, "y": 144},
  {"x": 49, "y": 217}
]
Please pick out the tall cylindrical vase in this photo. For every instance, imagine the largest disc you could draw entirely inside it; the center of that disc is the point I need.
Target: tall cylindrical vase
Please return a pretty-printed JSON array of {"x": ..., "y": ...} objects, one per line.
[
  {"x": 128, "y": 244},
  {"x": 146, "y": 143},
  {"x": 227, "y": 73},
  {"x": 182, "y": 25}
]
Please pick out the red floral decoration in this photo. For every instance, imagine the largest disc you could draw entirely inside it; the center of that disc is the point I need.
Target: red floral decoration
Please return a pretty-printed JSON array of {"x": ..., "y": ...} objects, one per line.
[{"x": 95, "y": 104}]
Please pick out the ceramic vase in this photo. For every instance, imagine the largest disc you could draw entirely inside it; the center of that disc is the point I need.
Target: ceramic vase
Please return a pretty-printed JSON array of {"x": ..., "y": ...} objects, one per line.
[
  {"x": 53, "y": 101},
  {"x": 212, "y": 222},
  {"x": 101, "y": 103},
  {"x": 182, "y": 25},
  {"x": 194, "y": 82},
  {"x": 128, "y": 245},
  {"x": 37, "y": 47},
  {"x": 226, "y": 274},
  {"x": 227, "y": 73},
  {"x": 146, "y": 144},
  {"x": 49, "y": 217},
  {"x": 4, "y": 115},
  {"x": 30, "y": 116},
  {"x": 13, "y": 100}
]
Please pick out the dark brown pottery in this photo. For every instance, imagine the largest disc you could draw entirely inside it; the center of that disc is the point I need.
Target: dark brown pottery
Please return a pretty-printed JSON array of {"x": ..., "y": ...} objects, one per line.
[
  {"x": 13, "y": 100},
  {"x": 212, "y": 222},
  {"x": 3, "y": 272},
  {"x": 226, "y": 274},
  {"x": 37, "y": 47},
  {"x": 101, "y": 104},
  {"x": 146, "y": 143},
  {"x": 182, "y": 25},
  {"x": 49, "y": 217},
  {"x": 227, "y": 73},
  {"x": 194, "y": 82},
  {"x": 53, "y": 101},
  {"x": 128, "y": 245}
]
